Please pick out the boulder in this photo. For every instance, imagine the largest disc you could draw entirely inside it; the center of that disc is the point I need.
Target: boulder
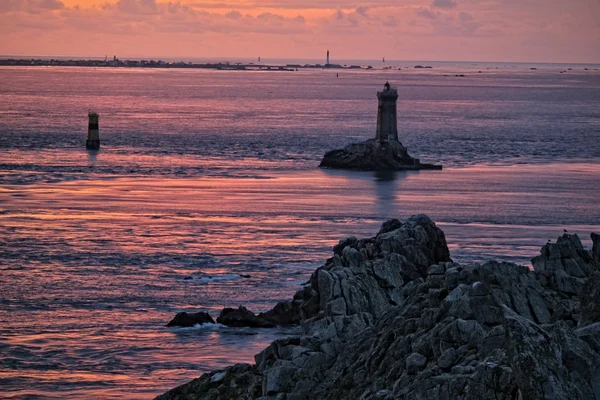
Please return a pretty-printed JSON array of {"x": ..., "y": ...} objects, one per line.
[
  {"x": 284, "y": 313},
  {"x": 190, "y": 319},
  {"x": 241, "y": 317},
  {"x": 415, "y": 362}
]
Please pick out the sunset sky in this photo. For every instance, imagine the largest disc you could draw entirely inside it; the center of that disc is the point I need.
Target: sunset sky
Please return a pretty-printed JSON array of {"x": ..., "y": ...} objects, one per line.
[{"x": 451, "y": 30}]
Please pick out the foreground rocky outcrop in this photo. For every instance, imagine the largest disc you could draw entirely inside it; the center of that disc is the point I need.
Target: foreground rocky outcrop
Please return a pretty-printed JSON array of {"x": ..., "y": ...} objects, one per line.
[
  {"x": 371, "y": 155},
  {"x": 392, "y": 317}
]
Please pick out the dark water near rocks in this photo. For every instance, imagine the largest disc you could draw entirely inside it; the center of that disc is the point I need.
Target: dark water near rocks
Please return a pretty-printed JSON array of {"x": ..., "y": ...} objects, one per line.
[{"x": 211, "y": 175}]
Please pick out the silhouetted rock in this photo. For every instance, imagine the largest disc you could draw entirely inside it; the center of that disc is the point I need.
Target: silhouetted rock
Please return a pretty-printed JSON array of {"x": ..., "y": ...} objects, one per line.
[
  {"x": 564, "y": 265},
  {"x": 371, "y": 156},
  {"x": 186, "y": 320},
  {"x": 284, "y": 313},
  {"x": 392, "y": 317},
  {"x": 242, "y": 317}
]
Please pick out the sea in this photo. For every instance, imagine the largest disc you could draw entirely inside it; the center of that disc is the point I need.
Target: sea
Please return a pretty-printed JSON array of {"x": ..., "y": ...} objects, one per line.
[{"x": 206, "y": 193}]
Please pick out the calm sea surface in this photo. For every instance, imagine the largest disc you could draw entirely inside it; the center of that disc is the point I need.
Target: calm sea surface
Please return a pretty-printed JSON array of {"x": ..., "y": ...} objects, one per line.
[{"x": 211, "y": 175}]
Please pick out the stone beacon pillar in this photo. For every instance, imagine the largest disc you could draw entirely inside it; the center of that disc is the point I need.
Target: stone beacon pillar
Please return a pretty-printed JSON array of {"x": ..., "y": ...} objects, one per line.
[
  {"x": 93, "y": 140},
  {"x": 387, "y": 125}
]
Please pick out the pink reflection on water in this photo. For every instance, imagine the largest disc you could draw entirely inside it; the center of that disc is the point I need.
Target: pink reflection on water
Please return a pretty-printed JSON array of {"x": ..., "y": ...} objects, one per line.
[{"x": 93, "y": 269}]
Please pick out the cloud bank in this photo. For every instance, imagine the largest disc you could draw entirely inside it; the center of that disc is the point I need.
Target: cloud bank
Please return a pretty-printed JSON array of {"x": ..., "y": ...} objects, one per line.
[{"x": 487, "y": 30}]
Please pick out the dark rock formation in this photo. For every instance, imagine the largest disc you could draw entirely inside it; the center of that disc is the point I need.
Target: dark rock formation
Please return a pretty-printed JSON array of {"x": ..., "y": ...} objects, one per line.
[
  {"x": 589, "y": 296},
  {"x": 185, "y": 319},
  {"x": 242, "y": 317},
  {"x": 596, "y": 247},
  {"x": 564, "y": 265},
  {"x": 392, "y": 317},
  {"x": 240, "y": 381},
  {"x": 372, "y": 156},
  {"x": 284, "y": 313}
]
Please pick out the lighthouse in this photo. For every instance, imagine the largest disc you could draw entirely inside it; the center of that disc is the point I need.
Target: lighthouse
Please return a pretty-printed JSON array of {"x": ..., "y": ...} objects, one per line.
[
  {"x": 387, "y": 124},
  {"x": 93, "y": 139},
  {"x": 327, "y": 63}
]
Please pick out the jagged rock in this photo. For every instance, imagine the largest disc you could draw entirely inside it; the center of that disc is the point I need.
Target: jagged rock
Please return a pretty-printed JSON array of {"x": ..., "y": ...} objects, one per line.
[
  {"x": 564, "y": 265},
  {"x": 536, "y": 358},
  {"x": 242, "y": 317},
  {"x": 390, "y": 225},
  {"x": 393, "y": 317},
  {"x": 448, "y": 358},
  {"x": 372, "y": 156},
  {"x": 240, "y": 381},
  {"x": 589, "y": 296},
  {"x": 284, "y": 313},
  {"x": 186, "y": 320},
  {"x": 415, "y": 362},
  {"x": 596, "y": 247}
]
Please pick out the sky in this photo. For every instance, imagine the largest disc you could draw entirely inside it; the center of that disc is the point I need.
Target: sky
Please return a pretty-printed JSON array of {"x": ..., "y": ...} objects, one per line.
[{"x": 437, "y": 30}]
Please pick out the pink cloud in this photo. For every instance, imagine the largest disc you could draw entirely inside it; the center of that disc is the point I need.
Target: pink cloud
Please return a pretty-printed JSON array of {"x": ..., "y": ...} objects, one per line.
[
  {"x": 443, "y": 3},
  {"x": 411, "y": 29}
]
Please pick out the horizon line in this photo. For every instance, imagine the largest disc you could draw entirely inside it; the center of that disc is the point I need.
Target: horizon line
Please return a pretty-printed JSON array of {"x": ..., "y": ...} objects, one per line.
[{"x": 225, "y": 59}]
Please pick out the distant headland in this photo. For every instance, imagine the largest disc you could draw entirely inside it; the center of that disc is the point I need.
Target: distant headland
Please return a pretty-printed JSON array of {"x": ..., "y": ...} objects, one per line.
[{"x": 117, "y": 63}]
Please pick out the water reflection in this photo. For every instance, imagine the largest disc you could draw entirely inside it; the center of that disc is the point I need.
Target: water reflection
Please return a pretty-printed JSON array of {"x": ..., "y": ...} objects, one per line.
[
  {"x": 92, "y": 156},
  {"x": 383, "y": 188}
]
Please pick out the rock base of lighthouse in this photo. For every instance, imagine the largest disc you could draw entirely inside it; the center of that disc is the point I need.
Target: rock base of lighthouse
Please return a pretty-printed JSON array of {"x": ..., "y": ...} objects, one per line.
[
  {"x": 373, "y": 156},
  {"x": 92, "y": 144}
]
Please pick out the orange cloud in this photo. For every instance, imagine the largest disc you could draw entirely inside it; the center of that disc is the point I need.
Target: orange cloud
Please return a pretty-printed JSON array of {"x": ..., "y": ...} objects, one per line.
[{"x": 536, "y": 30}]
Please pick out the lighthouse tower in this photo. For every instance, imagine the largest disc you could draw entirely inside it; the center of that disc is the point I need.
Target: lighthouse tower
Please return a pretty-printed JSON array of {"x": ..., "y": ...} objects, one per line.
[
  {"x": 327, "y": 63},
  {"x": 93, "y": 140},
  {"x": 387, "y": 125}
]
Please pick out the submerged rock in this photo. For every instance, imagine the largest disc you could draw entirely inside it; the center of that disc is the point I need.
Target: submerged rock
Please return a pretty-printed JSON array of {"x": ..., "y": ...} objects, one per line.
[
  {"x": 393, "y": 317},
  {"x": 186, "y": 319}
]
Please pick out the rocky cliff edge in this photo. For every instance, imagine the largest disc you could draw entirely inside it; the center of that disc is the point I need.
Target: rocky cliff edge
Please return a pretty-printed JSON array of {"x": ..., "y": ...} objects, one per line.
[{"x": 392, "y": 317}]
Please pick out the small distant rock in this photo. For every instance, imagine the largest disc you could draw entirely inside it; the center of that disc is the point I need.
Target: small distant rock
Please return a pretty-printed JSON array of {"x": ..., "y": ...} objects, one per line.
[
  {"x": 242, "y": 317},
  {"x": 186, "y": 320}
]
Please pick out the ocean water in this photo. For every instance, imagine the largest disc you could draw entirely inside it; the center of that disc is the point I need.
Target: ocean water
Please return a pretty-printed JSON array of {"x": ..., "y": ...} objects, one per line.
[{"x": 206, "y": 194}]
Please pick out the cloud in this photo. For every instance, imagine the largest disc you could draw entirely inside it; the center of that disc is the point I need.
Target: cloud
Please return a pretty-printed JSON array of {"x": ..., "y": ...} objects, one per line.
[
  {"x": 234, "y": 14},
  {"x": 139, "y": 6},
  {"x": 30, "y": 6},
  {"x": 427, "y": 13},
  {"x": 362, "y": 10},
  {"x": 409, "y": 29},
  {"x": 443, "y": 3}
]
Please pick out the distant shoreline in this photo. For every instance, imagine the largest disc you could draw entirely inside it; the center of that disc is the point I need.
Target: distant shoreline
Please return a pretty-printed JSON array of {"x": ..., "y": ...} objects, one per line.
[
  {"x": 281, "y": 65},
  {"x": 116, "y": 63}
]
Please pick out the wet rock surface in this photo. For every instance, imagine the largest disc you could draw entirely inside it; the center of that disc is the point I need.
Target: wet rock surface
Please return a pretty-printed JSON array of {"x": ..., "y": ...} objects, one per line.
[
  {"x": 241, "y": 317},
  {"x": 392, "y": 317},
  {"x": 372, "y": 156},
  {"x": 185, "y": 319}
]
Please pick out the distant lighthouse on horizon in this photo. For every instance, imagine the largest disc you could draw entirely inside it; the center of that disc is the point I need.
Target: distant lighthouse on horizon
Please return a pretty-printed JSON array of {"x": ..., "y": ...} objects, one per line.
[{"x": 327, "y": 63}]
